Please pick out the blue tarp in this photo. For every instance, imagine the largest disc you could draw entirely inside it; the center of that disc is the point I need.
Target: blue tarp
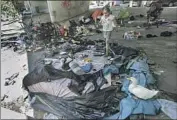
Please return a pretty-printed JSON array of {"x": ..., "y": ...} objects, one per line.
[
  {"x": 110, "y": 69},
  {"x": 140, "y": 65},
  {"x": 169, "y": 108},
  {"x": 87, "y": 68},
  {"x": 131, "y": 105},
  {"x": 140, "y": 70}
]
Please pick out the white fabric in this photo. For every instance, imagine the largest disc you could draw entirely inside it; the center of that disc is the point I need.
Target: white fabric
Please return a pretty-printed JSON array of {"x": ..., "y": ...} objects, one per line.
[
  {"x": 57, "y": 88},
  {"x": 108, "y": 23},
  {"x": 50, "y": 116},
  {"x": 108, "y": 78},
  {"x": 88, "y": 88}
]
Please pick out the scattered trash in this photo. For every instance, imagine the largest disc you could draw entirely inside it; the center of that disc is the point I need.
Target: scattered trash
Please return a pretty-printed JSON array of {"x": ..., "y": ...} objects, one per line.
[
  {"x": 151, "y": 36},
  {"x": 150, "y": 62},
  {"x": 130, "y": 22},
  {"x": 24, "y": 65},
  {"x": 159, "y": 73},
  {"x": 14, "y": 105},
  {"x": 50, "y": 116},
  {"x": 132, "y": 18},
  {"x": 3, "y": 98},
  {"x": 78, "y": 82},
  {"x": 166, "y": 34},
  {"x": 131, "y": 35},
  {"x": 138, "y": 27},
  {"x": 15, "y": 75},
  {"x": 175, "y": 61},
  {"x": 12, "y": 82},
  {"x": 84, "y": 20},
  {"x": 141, "y": 15}
]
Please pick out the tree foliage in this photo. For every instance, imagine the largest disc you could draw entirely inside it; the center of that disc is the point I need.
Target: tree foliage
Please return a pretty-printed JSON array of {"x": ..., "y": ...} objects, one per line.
[{"x": 8, "y": 9}]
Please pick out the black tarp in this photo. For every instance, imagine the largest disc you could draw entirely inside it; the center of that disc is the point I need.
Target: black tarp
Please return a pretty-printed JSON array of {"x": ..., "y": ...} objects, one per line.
[
  {"x": 97, "y": 104},
  {"x": 90, "y": 106}
]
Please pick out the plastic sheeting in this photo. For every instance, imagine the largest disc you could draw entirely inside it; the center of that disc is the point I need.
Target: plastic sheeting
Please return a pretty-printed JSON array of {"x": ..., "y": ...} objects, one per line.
[
  {"x": 72, "y": 96},
  {"x": 130, "y": 106},
  {"x": 125, "y": 51},
  {"x": 110, "y": 69},
  {"x": 49, "y": 116},
  {"x": 89, "y": 106},
  {"x": 59, "y": 88},
  {"x": 140, "y": 70},
  {"x": 169, "y": 108},
  {"x": 48, "y": 73},
  {"x": 45, "y": 73}
]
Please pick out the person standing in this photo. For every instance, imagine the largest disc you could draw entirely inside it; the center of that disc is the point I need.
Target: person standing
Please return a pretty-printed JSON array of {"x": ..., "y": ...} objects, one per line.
[
  {"x": 97, "y": 15},
  {"x": 108, "y": 23}
]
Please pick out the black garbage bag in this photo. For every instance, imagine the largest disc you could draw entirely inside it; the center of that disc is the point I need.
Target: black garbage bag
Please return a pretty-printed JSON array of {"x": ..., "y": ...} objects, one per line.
[
  {"x": 166, "y": 34},
  {"x": 47, "y": 73},
  {"x": 125, "y": 51},
  {"x": 122, "y": 56},
  {"x": 132, "y": 18},
  {"x": 95, "y": 105}
]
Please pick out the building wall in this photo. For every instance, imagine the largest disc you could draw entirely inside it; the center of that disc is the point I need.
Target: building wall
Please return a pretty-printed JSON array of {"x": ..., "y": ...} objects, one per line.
[
  {"x": 61, "y": 10},
  {"x": 57, "y": 10},
  {"x": 41, "y": 4}
]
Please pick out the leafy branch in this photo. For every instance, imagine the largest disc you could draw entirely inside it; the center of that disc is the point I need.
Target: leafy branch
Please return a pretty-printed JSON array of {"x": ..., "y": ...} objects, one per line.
[{"x": 8, "y": 9}]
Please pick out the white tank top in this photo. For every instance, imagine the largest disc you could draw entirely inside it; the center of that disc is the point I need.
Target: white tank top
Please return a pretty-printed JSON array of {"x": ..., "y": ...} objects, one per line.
[{"x": 107, "y": 23}]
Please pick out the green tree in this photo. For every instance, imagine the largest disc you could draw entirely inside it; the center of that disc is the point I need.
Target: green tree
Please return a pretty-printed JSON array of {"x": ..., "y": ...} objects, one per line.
[{"x": 8, "y": 9}]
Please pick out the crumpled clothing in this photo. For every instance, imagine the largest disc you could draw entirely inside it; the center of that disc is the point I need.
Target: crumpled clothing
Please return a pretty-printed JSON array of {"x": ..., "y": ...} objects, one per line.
[
  {"x": 169, "y": 108},
  {"x": 87, "y": 67},
  {"x": 49, "y": 116},
  {"x": 130, "y": 106},
  {"x": 58, "y": 64},
  {"x": 130, "y": 35},
  {"x": 110, "y": 69},
  {"x": 166, "y": 34},
  {"x": 88, "y": 88},
  {"x": 97, "y": 62},
  {"x": 76, "y": 68}
]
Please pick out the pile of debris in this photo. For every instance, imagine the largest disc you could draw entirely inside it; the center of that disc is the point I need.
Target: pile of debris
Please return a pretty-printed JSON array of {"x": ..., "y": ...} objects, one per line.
[
  {"x": 20, "y": 105},
  {"x": 76, "y": 80},
  {"x": 80, "y": 82}
]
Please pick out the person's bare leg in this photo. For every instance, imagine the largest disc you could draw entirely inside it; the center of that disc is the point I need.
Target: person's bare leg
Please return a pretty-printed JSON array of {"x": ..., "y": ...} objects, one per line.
[
  {"x": 107, "y": 47},
  {"x": 96, "y": 23}
]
